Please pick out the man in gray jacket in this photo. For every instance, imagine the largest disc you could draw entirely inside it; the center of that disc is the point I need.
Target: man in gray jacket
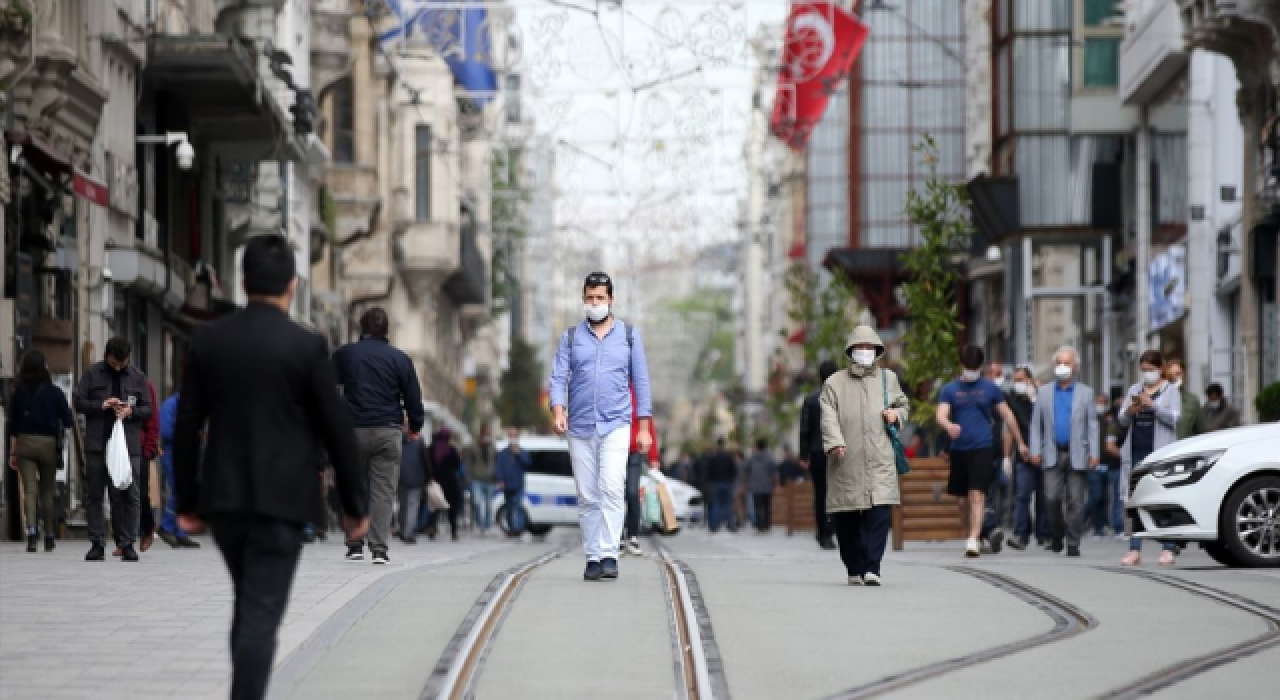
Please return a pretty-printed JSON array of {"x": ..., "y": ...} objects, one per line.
[
  {"x": 112, "y": 390},
  {"x": 1064, "y": 443},
  {"x": 762, "y": 479}
]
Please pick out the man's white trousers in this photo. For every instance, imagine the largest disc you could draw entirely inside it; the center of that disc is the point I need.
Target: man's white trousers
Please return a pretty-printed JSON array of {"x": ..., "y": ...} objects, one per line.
[{"x": 600, "y": 473}]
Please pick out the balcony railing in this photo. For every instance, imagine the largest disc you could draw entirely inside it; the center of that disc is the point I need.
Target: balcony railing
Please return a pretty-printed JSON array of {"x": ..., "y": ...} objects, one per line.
[{"x": 468, "y": 285}]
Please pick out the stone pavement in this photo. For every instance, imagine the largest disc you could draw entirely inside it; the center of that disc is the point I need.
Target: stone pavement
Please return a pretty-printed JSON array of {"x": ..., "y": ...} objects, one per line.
[{"x": 785, "y": 623}]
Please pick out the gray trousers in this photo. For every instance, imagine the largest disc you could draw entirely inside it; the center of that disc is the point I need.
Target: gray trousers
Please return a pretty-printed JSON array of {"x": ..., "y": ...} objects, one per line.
[
  {"x": 1066, "y": 489},
  {"x": 125, "y": 509},
  {"x": 380, "y": 452}
]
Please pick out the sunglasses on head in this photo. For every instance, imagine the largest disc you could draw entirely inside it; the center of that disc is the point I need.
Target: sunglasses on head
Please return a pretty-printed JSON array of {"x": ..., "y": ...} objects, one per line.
[{"x": 597, "y": 279}]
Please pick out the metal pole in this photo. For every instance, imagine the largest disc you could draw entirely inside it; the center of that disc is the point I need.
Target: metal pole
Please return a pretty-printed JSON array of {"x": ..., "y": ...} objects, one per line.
[{"x": 1142, "y": 310}]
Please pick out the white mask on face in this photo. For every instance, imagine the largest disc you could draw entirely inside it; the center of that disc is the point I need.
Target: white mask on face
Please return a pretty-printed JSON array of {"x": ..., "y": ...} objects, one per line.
[
  {"x": 971, "y": 375},
  {"x": 1215, "y": 405},
  {"x": 596, "y": 312},
  {"x": 1022, "y": 388},
  {"x": 1062, "y": 372},
  {"x": 1101, "y": 409},
  {"x": 1151, "y": 377},
  {"x": 863, "y": 356}
]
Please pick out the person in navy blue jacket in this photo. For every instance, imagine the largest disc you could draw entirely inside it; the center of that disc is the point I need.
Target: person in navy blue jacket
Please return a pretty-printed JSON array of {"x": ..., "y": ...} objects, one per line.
[{"x": 509, "y": 469}]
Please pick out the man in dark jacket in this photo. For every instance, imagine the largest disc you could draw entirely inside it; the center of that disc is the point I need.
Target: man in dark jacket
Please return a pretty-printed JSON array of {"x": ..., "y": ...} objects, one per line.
[
  {"x": 813, "y": 457},
  {"x": 380, "y": 386},
  {"x": 112, "y": 390},
  {"x": 267, "y": 390},
  {"x": 413, "y": 479},
  {"x": 722, "y": 475},
  {"x": 510, "y": 467}
]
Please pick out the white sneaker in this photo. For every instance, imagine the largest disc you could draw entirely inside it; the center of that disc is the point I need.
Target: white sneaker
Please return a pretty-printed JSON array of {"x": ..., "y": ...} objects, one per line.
[
  {"x": 632, "y": 547},
  {"x": 871, "y": 579},
  {"x": 972, "y": 548},
  {"x": 855, "y": 580}
]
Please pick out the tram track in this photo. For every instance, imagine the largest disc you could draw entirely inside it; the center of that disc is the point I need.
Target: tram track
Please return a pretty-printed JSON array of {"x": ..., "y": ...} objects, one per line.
[
  {"x": 459, "y": 669},
  {"x": 1185, "y": 669},
  {"x": 1068, "y": 621}
]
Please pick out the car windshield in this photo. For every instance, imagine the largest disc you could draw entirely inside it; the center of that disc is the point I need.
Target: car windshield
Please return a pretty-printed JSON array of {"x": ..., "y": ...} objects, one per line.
[{"x": 551, "y": 462}]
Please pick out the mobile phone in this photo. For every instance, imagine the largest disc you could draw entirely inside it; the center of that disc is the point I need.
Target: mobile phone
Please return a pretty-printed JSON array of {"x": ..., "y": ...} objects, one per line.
[{"x": 133, "y": 401}]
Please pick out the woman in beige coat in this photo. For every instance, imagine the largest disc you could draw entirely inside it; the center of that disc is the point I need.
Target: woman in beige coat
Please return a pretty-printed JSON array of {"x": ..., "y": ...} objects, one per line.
[{"x": 862, "y": 474}]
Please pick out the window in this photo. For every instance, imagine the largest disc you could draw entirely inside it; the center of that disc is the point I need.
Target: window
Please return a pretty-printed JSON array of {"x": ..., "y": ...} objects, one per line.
[
  {"x": 1101, "y": 62},
  {"x": 1096, "y": 11},
  {"x": 422, "y": 172},
  {"x": 344, "y": 123},
  {"x": 513, "y": 99}
]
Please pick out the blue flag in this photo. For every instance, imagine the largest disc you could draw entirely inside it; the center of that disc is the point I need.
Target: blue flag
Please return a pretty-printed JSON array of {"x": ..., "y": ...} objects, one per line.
[{"x": 462, "y": 37}]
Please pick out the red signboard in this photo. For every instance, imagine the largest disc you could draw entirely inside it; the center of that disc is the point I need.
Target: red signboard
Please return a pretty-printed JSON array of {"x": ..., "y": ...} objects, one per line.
[
  {"x": 823, "y": 39},
  {"x": 90, "y": 189}
]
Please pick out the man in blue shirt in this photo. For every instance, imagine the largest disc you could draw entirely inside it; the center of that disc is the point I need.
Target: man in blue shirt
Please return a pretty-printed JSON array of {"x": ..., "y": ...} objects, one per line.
[
  {"x": 1065, "y": 446},
  {"x": 509, "y": 469},
  {"x": 173, "y": 535},
  {"x": 596, "y": 362},
  {"x": 971, "y": 401}
]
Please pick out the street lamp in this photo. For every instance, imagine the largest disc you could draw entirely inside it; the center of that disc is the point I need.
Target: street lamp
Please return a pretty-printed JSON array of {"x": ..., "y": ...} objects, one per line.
[{"x": 184, "y": 154}]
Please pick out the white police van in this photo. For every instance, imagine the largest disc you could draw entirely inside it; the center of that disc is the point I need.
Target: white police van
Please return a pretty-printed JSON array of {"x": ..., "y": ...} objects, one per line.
[{"x": 551, "y": 499}]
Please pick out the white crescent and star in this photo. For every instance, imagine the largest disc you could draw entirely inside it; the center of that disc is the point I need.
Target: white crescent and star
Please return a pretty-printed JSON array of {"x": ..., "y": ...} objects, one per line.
[{"x": 816, "y": 23}]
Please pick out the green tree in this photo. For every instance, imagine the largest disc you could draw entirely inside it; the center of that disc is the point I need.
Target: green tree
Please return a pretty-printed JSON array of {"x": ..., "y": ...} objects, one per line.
[
  {"x": 826, "y": 311},
  {"x": 520, "y": 402},
  {"x": 507, "y": 216},
  {"x": 941, "y": 214}
]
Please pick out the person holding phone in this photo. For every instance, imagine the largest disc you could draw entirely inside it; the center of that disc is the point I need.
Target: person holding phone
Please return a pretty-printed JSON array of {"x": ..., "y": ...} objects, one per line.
[{"x": 1151, "y": 414}]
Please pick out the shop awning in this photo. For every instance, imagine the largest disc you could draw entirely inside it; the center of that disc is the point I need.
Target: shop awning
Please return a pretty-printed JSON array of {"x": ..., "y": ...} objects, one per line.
[
  {"x": 216, "y": 80},
  {"x": 38, "y": 152}
]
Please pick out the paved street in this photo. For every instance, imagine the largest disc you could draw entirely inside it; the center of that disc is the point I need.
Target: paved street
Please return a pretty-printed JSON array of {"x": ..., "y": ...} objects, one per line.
[{"x": 776, "y": 616}]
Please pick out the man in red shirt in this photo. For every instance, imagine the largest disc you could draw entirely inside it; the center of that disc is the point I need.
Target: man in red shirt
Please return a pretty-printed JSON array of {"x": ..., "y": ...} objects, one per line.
[{"x": 635, "y": 469}]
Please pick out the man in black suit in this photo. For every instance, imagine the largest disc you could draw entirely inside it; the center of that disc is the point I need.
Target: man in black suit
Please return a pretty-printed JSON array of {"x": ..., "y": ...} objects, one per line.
[
  {"x": 813, "y": 458},
  {"x": 269, "y": 394}
]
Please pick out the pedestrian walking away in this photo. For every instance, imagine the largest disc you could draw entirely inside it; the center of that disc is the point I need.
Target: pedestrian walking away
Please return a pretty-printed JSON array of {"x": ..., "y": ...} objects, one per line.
[
  {"x": 443, "y": 467},
  {"x": 413, "y": 479},
  {"x": 1151, "y": 412},
  {"x": 266, "y": 389},
  {"x": 722, "y": 477},
  {"x": 858, "y": 405},
  {"x": 1218, "y": 413},
  {"x": 814, "y": 458},
  {"x": 762, "y": 480},
  {"x": 965, "y": 410},
  {"x": 595, "y": 363},
  {"x": 36, "y": 418},
  {"x": 1065, "y": 446},
  {"x": 480, "y": 467},
  {"x": 637, "y": 463},
  {"x": 511, "y": 465},
  {"x": 112, "y": 391},
  {"x": 380, "y": 386},
  {"x": 172, "y": 535}
]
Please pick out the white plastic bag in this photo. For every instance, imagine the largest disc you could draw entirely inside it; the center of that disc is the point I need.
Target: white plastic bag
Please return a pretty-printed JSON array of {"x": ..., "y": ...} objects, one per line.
[
  {"x": 435, "y": 498},
  {"x": 119, "y": 466}
]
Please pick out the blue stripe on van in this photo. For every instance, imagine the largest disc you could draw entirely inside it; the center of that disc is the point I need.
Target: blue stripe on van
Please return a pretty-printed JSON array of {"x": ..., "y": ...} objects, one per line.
[{"x": 536, "y": 499}]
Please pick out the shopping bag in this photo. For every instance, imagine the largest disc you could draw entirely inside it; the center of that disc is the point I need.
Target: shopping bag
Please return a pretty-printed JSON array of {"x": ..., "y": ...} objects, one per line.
[
  {"x": 669, "y": 523},
  {"x": 119, "y": 466},
  {"x": 652, "y": 504},
  {"x": 435, "y": 498}
]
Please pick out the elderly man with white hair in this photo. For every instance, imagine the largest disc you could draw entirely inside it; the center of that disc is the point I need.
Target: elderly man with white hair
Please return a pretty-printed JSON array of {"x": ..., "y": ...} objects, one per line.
[{"x": 1064, "y": 444}]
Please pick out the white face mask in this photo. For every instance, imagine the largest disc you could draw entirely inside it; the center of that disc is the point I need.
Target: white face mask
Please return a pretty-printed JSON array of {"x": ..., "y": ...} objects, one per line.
[
  {"x": 596, "y": 312},
  {"x": 1215, "y": 405},
  {"x": 971, "y": 375},
  {"x": 1062, "y": 372},
  {"x": 1101, "y": 409},
  {"x": 863, "y": 356},
  {"x": 1151, "y": 377},
  {"x": 1022, "y": 388}
]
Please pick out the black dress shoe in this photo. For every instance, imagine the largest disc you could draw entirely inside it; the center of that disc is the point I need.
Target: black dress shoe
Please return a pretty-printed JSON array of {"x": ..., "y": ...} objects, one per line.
[
  {"x": 129, "y": 553},
  {"x": 827, "y": 543},
  {"x": 609, "y": 568},
  {"x": 32, "y": 540},
  {"x": 1056, "y": 547},
  {"x": 96, "y": 553},
  {"x": 593, "y": 572},
  {"x": 1018, "y": 543},
  {"x": 49, "y": 544},
  {"x": 1073, "y": 551}
]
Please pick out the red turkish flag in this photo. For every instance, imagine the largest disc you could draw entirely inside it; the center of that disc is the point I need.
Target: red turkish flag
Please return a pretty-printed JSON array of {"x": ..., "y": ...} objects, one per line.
[{"x": 823, "y": 39}]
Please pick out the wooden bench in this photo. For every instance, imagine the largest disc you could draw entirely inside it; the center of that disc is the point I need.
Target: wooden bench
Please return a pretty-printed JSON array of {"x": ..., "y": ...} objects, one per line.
[{"x": 927, "y": 512}]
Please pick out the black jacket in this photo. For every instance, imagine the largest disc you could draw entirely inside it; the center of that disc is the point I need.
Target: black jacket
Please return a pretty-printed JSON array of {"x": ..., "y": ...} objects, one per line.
[
  {"x": 811, "y": 424},
  {"x": 268, "y": 391},
  {"x": 379, "y": 384},
  {"x": 722, "y": 468},
  {"x": 96, "y": 386},
  {"x": 39, "y": 411}
]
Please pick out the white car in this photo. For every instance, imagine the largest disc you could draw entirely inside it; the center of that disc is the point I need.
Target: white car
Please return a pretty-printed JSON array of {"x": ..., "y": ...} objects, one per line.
[
  {"x": 551, "y": 498},
  {"x": 1221, "y": 490}
]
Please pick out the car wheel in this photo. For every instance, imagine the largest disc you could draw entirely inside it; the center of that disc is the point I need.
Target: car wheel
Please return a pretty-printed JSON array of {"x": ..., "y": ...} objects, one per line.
[
  {"x": 1250, "y": 526},
  {"x": 1218, "y": 552},
  {"x": 538, "y": 530}
]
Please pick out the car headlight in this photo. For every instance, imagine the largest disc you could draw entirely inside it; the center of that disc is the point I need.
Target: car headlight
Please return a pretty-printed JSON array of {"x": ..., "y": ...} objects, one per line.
[{"x": 1185, "y": 470}]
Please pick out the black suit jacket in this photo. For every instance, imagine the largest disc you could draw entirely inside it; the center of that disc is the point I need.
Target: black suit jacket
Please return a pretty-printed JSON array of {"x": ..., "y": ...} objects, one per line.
[{"x": 268, "y": 391}]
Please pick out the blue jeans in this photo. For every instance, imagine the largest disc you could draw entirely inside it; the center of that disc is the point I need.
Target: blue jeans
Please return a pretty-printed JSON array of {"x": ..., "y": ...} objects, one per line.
[
  {"x": 1095, "y": 509},
  {"x": 721, "y": 505},
  {"x": 516, "y": 518},
  {"x": 1029, "y": 480},
  {"x": 169, "y": 520},
  {"x": 1117, "y": 503},
  {"x": 482, "y": 493}
]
